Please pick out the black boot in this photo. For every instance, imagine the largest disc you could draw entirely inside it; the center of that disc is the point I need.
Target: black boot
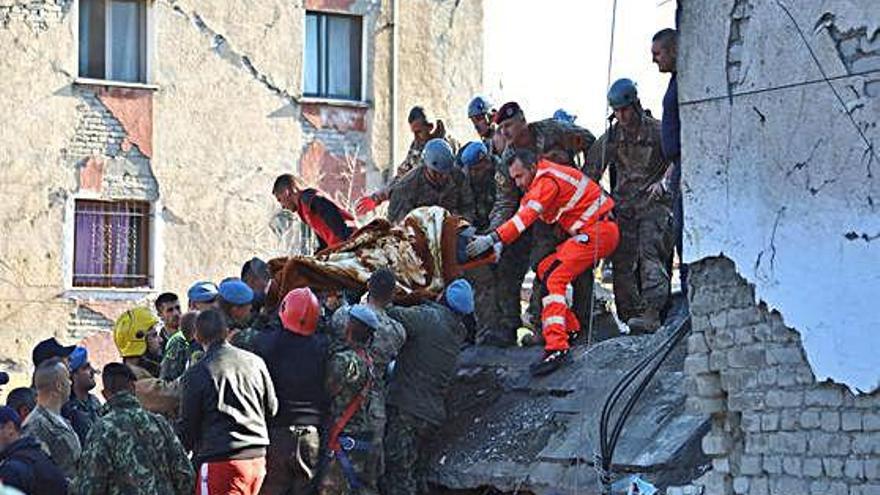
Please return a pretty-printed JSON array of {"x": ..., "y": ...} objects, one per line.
[{"x": 551, "y": 361}]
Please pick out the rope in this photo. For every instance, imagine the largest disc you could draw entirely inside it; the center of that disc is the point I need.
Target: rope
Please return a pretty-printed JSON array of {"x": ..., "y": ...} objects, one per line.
[{"x": 592, "y": 307}]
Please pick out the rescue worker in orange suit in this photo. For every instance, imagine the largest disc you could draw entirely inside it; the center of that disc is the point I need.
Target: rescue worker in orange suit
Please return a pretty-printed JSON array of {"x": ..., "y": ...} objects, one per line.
[
  {"x": 562, "y": 196},
  {"x": 329, "y": 222}
]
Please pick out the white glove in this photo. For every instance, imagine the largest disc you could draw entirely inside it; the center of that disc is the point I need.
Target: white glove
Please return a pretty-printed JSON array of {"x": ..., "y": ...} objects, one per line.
[
  {"x": 479, "y": 245},
  {"x": 498, "y": 247}
]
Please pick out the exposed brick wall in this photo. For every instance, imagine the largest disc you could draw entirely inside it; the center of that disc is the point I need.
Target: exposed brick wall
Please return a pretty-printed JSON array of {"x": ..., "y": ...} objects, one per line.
[
  {"x": 39, "y": 16},
  {"x": 774, "y": 429}
]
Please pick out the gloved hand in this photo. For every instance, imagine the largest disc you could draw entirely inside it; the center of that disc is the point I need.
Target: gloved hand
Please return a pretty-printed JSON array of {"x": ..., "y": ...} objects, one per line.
[
  {"x": 498, "y": 248},
  {"x": 479, "y": 245},
  {"x": 365, "y": 205}
]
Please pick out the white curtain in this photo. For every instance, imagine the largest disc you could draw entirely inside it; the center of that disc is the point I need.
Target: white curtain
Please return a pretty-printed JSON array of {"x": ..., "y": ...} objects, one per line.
[
  {"x": 339, "y": 80},
  {"x": 125, "y": 28}
]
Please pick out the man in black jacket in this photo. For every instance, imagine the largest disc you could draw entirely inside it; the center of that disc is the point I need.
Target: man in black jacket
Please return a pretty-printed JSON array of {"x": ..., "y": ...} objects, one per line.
[
  {"x": 23, "y": 464},
  {"x": 227, "y": 399},
  {"x": 296, "y": 358}
]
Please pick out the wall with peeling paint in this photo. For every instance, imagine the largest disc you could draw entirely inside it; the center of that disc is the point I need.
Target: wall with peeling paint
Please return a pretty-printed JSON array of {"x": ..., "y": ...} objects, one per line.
[
  {"x": 225, "y": 117},
  {"x": 779, "y": 105}
]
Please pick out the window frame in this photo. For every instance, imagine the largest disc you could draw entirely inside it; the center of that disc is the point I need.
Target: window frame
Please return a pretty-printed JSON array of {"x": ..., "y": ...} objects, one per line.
[
  {"x": 148, "y": 48},
  {"x": 154, "y": 256},
  {"x": 362, "y": 58}
]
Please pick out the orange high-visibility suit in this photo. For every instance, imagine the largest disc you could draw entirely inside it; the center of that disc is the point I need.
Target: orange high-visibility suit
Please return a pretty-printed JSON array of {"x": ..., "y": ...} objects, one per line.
[{"x": 566, "y": 197}]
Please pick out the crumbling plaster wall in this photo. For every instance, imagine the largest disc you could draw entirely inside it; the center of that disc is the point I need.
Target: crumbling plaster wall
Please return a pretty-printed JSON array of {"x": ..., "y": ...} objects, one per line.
[
  {"x": 226, "y": 116},
  {"x": 779, "y": 107},
  {"x": 775, "y": 428}
]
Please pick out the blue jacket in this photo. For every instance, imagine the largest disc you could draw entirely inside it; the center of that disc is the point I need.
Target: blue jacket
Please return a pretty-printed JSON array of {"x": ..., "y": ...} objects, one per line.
[
  {"x": 25, "y": 466},
  {"x": 671, "y": 124}
]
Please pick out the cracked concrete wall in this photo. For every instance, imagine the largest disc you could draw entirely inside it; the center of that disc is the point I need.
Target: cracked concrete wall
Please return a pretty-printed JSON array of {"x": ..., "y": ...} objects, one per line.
[
  {"x": 775, "y": 428},
  {"x": 226, "y": 117},
  {"x": 779, "y": 108}
]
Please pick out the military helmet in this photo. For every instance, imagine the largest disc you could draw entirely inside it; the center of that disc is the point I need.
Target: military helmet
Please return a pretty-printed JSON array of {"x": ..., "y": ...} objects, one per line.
[
  {"x": 478, "y": 106},
  {"x": 622, "y": 93},
  {"x": 438, "y": 156}
]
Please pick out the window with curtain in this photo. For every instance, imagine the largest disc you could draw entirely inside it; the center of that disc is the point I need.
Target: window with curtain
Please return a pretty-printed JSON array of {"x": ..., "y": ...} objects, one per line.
[
  {"x": 111, "y": 244},
  {"x": 333, "y": 56},
  {"x": 113, "y": 40}
]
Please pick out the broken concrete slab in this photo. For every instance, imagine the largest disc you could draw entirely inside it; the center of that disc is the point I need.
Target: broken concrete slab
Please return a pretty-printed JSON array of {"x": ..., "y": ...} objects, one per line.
[{"x": 511, "y": 432}]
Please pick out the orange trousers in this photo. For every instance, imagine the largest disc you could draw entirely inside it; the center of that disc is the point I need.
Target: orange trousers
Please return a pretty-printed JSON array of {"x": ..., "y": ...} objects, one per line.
[{"x": 572, "y": 257}]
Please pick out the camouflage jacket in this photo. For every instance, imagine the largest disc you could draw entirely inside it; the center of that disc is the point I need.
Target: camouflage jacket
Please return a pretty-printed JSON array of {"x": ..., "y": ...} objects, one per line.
[
  {"x": 56, "y": 437},
  {"x": 557, "y": 141},
  {"x": 387, "y": 341},
  {"x": 416, "y": 190},
  {"x": 131, "y": 451},
  {"x": 635, "y": 162},
  {"x": 349, "y": 371},
  {"x": 81, "y": 414},
  {"x": 246, "y": 338},
  {"x": 176, "y": 357},
  {"x": 483, "y": 193}
]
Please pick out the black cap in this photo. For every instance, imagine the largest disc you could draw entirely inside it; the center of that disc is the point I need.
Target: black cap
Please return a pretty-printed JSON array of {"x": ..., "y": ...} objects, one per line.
[
  {"x": 50, "y": 348},
  {"x": 508, "y": 110}
]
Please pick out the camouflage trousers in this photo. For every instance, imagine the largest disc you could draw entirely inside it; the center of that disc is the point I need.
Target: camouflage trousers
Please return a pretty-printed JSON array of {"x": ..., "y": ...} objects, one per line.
[
  {"x": 545, "y": 238},
  {"x": 334, "y": 480},
  {"x": 291, "y": 460},
  {"x": 641, "y": 262},
  {"x": 405, "y": 443}
]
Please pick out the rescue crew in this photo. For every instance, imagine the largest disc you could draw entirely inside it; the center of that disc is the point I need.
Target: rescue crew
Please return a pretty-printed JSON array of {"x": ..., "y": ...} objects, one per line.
[
  {"x": 328, "y": 221},
  {"x": 643, "y": 208},
  {"x": 565, "y": 197}
]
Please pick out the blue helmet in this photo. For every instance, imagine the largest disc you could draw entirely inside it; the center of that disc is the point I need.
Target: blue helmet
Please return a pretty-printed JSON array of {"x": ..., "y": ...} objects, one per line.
[
  {"x": 562, "y": 116},
  {"x": 472, "y": 153},
  {"x": 622, "y": 93},
  {"x": 437, "y": 155},
  {"x": 478, "y": 106}
]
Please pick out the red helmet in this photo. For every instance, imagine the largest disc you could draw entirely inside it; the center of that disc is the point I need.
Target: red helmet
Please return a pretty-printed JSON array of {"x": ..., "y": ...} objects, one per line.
[{"x": 299, "y": 311}]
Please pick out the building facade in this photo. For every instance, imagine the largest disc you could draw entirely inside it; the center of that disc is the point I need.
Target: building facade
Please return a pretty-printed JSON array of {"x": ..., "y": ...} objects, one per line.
[{"x": 140, "y": 138}]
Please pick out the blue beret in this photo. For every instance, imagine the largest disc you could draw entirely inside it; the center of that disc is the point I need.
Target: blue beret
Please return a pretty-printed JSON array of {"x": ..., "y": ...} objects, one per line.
[
  {"x": 234, "y": 291},
  {"x": 364, "y": 315},
  {"x": 202, "y": 292},
  {"x": 472, "y": 153},
  {"x": 78, "y": 358},
  {"x": 460, "y": 297}
]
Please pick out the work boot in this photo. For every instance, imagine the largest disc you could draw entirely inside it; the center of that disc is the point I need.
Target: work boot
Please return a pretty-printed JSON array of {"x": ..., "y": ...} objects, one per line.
[
  {"x": 647, "y": 323},
  {"x": 551, "y": 361},
  {"x": 573, "y": 337}
]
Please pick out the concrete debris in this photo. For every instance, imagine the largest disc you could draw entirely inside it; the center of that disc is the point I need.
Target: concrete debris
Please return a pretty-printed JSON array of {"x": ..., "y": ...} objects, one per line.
[{"x": 511, "y": 432}]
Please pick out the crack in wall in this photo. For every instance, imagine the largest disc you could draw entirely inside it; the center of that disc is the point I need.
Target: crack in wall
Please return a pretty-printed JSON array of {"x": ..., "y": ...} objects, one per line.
[
  {"x": 739, "y": 24},
  {"x": 225, "y": 50},
  {"x": 772, "y": 246},
  {"x": 853, "y": 235}
]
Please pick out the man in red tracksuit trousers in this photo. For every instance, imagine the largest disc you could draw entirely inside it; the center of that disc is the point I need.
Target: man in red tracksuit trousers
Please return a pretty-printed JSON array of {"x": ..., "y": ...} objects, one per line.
[{"x": 562, "y": 196}]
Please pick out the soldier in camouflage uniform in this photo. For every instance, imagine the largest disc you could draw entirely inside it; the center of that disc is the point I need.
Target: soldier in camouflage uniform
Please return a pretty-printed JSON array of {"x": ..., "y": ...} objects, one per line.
[
  {"x": 497, "y": 320},
  {"x": 435, "y": 183},
  {"x": 423, "y": 131},
  {"x": 350, "y": 377},
  {"x": 387, "y": 341},
  {"x": 643, "y": 208},
  {"x": 45, "y": 423},
  {"x": 131, "y": 451},
  {"x": 416, "y": 397},
  {"x": 178, "y": 350},
  {"x": 560, "y": 142}
]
